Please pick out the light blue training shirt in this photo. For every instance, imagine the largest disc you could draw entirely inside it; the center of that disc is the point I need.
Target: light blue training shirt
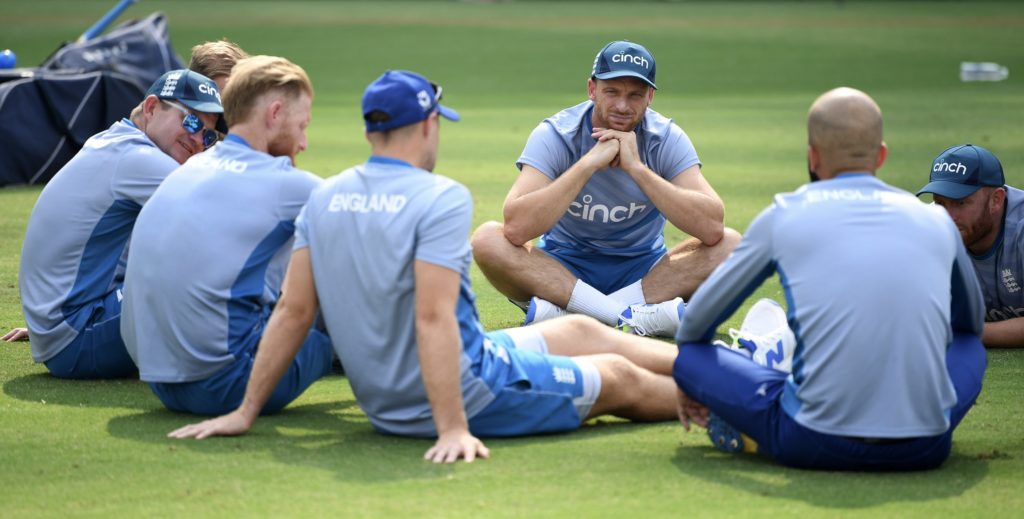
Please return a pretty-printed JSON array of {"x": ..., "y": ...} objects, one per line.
[
  {"x": 79, "y": 229},
  {"x": 875, "y": 284},
  {"x": 207, "y": 260},
  {"x": 611, "y": 215},
  {"x": 365, "y": 228},
  {"x": 1001, "y": 268}
]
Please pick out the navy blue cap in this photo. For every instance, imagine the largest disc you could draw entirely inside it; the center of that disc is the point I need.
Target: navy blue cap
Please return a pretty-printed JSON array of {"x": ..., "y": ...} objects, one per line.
[
  {"x": 624, "y": 59},
  {"x": 959, "y": 171},
  {"x": 403, "y": 98},
  {"x": 191, "y": 89}
]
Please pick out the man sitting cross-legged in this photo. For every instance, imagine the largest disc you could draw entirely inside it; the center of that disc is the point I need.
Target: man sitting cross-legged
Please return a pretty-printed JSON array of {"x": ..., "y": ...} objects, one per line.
[{"x": 388, "y": 239}]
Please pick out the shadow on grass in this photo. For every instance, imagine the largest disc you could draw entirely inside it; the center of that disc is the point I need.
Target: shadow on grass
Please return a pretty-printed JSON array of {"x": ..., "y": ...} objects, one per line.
[
  {"x": 758, "y": 475},
  {"x": 126, "y": 392},
  {"x": 332, "y": 436}
]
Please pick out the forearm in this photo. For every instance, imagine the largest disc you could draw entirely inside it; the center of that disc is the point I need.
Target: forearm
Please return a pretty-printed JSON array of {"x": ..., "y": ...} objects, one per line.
[
  {"x": 527, "y": 216},
  {"x": 1004, "y": 334},
  {"x": 283, "y": 338},
  {"x": 439, "y": 355},
  {"x": 698, "y": 214}
]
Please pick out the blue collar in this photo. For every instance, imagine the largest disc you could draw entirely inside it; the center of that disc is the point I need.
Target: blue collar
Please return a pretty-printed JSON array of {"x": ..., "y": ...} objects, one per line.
[
  {"x": 391, "y": 161},
  {"x": 848, "y": 174},
  {"x": 129, "y": 122},
  {"x": 234, "y": 138}
]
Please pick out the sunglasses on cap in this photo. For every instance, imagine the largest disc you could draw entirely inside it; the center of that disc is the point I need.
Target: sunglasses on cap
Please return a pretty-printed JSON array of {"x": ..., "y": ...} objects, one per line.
[
  {"x": 438, "y": 93},
  {"x": 193, "y": 125}
]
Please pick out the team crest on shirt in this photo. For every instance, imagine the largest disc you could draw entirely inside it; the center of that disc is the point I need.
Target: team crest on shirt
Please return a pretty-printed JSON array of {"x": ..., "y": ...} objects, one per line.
[{"x": 1010, "y": 282}]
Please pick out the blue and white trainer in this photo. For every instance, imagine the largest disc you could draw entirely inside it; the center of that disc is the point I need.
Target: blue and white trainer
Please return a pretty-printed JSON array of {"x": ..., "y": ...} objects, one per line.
[
  {"x": 657, "y": 319},
  {"x": 765, "y": 333},
  {"x": 542, "y": 310}
]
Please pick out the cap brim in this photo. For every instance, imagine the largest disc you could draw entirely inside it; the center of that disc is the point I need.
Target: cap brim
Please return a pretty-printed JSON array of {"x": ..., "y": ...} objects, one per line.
[
  {"x": 201, "y": 106},
  {"x": 209, "y": 108},
  {"x": 448, "y": 113},
  {"x": 625, "y": 73},
  {"x": 951, "y": 190}
]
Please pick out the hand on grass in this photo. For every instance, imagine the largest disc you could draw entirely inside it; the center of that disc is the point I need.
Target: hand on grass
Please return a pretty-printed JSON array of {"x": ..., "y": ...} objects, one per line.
[
  {"x": 457, "y": 444},
  {"x": 691, "y": 411},
  {"x": 17, "y": 334},
  {"x": 232, "y": 424}
]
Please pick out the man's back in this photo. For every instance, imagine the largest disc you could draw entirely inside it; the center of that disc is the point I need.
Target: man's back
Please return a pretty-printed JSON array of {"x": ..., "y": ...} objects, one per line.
[
  {"x": 867, "y": 271},
  {"x": 365, "y": 229},
  {"x": 869, "y": 275},
  {"x": 79, "y": 229},
  {"x": 207, "y": 261}
]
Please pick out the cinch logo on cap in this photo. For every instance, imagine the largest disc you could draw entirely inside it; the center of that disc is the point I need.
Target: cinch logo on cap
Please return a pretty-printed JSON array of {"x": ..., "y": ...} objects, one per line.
[
  {"x": 624, "y": 59},
  {"x": 636, "y": 60},
  {"x": 949, "y": 167}
]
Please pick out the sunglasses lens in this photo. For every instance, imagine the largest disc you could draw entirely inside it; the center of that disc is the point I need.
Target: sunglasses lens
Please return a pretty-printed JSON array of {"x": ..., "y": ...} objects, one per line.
[
  {"x": 191, "y": 123},
  {"x": 210, "y": 138}
]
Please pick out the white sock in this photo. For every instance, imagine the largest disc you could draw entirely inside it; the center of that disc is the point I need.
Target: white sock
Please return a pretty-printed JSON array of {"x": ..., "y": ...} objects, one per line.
[
  {"x": 632, "y": 294},
  {"x": 587, "y": 300}
]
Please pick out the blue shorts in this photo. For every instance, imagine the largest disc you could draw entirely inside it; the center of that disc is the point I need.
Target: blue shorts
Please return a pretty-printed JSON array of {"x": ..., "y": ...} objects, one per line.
[
  {"x": 223, "y": 391},
  {"x": 97, "y": 351},
  {"x": 748, "y": 396},
  {"x": 605, "y": 273},
  {"x": 535, "y": 393}
]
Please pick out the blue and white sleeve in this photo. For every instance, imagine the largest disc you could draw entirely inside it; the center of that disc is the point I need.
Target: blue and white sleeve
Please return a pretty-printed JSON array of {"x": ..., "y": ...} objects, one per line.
[
  {"x": 546, "y": 151},
  {"x": 731, "y": 283},
  {"x": 676, "y": 155},
  {"x": 302, "y": 229},
  {"x": 442, "y": 236}
]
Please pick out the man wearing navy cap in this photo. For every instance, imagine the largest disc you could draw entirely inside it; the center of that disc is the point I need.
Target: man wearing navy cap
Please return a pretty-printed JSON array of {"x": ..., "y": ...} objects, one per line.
[
  {"x": 71, "y": 274},
  {"x": 967, "y": 180},
  {"x": 597, "y": 182},
  {"x": 383, "y": 248},
  {"x": 210, "y": 249}
]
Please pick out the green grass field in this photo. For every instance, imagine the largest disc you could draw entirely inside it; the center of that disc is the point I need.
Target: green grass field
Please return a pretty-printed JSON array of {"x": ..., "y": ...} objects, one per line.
[{"x": 738, "y": 77}]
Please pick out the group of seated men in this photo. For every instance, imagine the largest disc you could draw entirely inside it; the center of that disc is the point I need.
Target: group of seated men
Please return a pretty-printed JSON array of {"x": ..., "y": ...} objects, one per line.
[{"x": 183, "y": 243}]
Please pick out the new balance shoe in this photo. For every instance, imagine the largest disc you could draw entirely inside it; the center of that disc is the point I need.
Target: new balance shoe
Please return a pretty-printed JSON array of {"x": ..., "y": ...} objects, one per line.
[
  {"x": 542, "y": 310},
  {"x": 657, "y": 319},
  {"x": 727, "y": 438},
  {"x": 766, "y": 335}
]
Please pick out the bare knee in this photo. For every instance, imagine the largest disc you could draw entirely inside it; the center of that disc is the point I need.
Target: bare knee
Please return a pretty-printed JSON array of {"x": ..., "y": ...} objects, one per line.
[
  {"x": 730, "y": 240},
  {"x": 489, "y": 242},
  {"x": 618, "y": 375},
  {"x": 582, "y": 327},
  {"x": 624, "y": 372}
]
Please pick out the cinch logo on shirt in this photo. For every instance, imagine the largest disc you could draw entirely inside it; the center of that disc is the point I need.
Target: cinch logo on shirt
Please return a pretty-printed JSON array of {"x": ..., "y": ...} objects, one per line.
[
  {"x": 363, "y": 203},
  {"x": 601, "y": 212},
  {"x": 636, "y": 60},
  {"x": 949, "y": 167}
]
